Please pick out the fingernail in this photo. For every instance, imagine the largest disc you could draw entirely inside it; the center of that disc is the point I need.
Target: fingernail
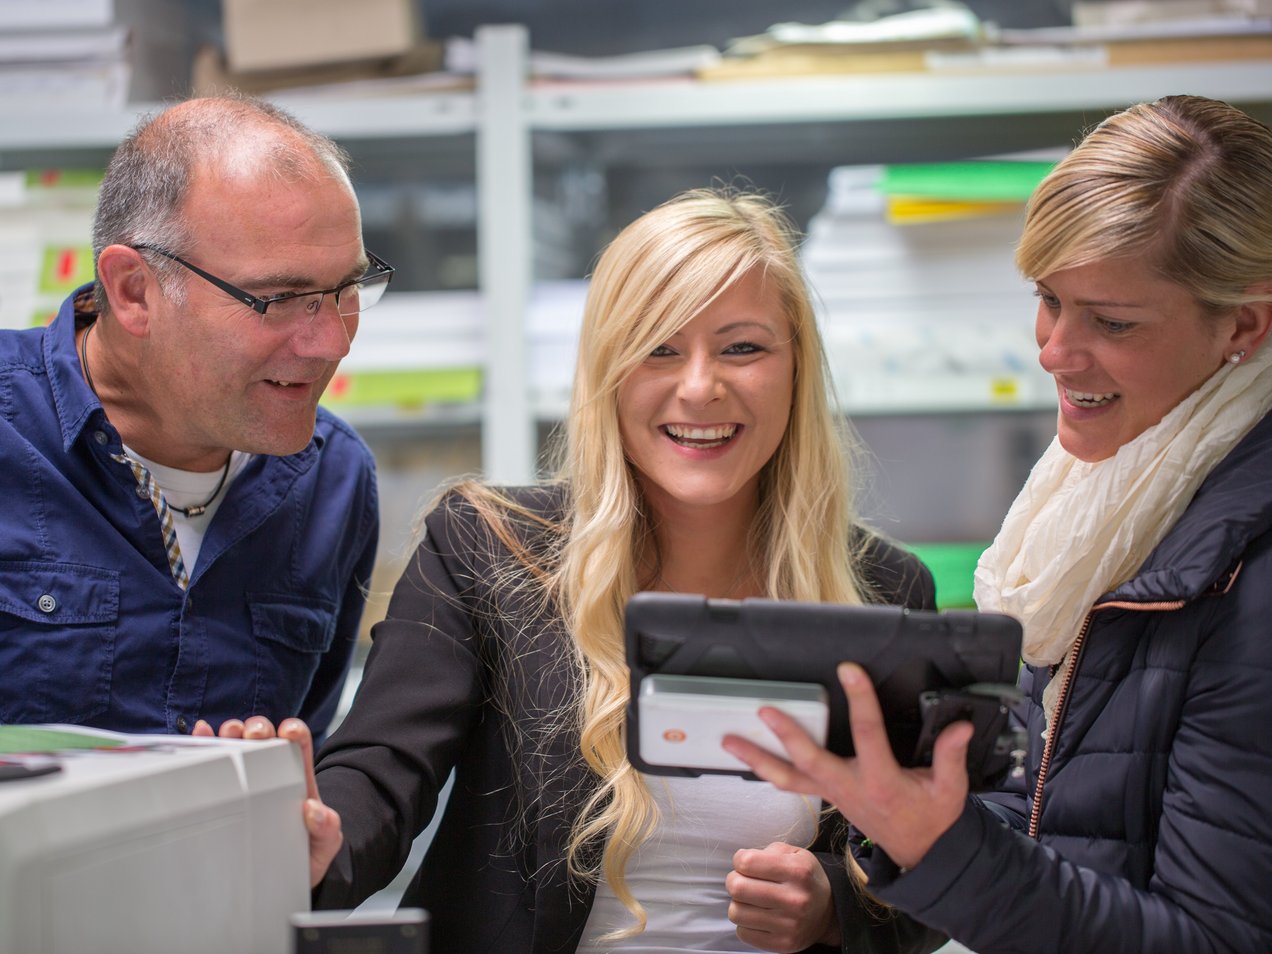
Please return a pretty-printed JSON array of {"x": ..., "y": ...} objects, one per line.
[{"x": 315, "y": 813}]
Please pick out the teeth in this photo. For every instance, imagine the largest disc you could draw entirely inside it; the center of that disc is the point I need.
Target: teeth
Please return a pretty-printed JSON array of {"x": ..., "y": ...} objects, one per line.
[
  {"x": 283, "y": 384},
  {"x": 717, "y": 433},
  {"x": 1087, "y": 399}
]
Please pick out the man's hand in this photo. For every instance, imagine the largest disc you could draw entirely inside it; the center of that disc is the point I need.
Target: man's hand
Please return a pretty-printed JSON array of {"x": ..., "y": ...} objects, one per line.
[
  {"x": 321, "y": 822},
  {"x": 781, "y": 899}
]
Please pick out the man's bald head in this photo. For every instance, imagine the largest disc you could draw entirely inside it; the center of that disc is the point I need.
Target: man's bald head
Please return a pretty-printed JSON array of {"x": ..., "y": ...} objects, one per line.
[{"x": 144, "y": 190}]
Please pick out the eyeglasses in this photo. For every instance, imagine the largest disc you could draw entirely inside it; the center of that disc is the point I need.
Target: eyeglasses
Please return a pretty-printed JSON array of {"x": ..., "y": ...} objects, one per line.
[{"x": 352, "y": 297}]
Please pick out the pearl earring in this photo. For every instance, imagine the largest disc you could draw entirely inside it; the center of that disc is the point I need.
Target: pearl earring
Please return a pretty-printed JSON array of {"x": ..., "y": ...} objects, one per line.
[{"x": 1236, "y": 357}]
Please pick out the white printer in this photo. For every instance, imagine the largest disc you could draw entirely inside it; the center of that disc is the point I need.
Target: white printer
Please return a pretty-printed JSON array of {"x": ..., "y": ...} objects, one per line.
[{"x": 154, "y": 844}]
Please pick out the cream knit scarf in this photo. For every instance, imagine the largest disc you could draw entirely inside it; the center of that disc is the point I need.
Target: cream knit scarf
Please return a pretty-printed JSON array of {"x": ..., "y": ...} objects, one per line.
[{"x": 1078, "y": 530}]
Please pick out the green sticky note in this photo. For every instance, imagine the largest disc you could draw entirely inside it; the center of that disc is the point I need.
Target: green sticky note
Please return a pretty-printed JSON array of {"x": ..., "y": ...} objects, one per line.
[{"x": 65, "y": 267}]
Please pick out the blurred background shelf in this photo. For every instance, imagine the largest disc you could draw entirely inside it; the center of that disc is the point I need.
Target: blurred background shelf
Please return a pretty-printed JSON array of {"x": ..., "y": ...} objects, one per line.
[{"x": 583, "y": 106}]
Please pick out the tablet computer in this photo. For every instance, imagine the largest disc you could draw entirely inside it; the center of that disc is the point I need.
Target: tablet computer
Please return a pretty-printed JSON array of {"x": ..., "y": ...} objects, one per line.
[{"x": 701, "y": 668}]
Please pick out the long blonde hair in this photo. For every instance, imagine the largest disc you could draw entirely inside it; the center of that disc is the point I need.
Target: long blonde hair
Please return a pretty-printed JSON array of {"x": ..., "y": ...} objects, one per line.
[{"x": 653, "y": 279}]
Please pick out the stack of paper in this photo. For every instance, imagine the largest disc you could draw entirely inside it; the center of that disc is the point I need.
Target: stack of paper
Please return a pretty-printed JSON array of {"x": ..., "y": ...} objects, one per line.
[
  {"x": 463, "y": 56},
  {"x": 899, "y": 42},
  {"x": 1137, "y": 32},
  {"x": 62, "y": 54},
  {"x": 921, "y": 305},
  {"x": 84, "y": 55}
]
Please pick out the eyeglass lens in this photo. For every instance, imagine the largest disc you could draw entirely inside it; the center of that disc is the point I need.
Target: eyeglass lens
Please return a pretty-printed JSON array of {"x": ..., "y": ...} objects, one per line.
[{"x": 350, "y": 300}]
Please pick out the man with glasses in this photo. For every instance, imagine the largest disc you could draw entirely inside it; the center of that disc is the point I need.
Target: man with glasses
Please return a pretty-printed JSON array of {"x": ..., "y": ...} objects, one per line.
[{"x": 184, "y": 534}]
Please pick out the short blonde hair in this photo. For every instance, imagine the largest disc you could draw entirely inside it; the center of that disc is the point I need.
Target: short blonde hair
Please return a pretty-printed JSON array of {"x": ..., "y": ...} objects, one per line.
[{"x": 1185, "y": 182}]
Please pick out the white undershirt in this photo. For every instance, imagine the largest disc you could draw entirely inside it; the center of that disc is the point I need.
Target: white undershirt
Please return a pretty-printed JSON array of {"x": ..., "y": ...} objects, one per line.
[
  {"x": 678, "y": 875},
  {"x": 186, "y": 488}
]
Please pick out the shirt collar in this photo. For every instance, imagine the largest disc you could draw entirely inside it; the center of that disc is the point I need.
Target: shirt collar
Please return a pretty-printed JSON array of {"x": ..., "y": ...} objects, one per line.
[{"x": 74, "y": 400}]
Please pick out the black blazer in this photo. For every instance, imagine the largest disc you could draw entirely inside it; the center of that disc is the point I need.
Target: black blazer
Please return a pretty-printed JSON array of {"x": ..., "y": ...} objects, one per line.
[{"x": 466, "y": 674}]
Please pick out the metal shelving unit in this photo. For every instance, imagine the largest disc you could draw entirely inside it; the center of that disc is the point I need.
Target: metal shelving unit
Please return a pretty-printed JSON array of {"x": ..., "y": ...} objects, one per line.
[
  {"x": 893, "y": 96},
  {"x": 493, "y": 128}
]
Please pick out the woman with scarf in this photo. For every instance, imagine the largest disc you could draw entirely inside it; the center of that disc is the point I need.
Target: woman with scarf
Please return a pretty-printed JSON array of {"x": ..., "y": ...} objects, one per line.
[{"x": 1138, "y": 557}]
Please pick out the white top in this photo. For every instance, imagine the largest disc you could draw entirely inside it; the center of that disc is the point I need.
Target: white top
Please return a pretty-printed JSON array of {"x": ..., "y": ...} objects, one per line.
[
  {"x": 678, "y": 875},
  {"x": 187, "y": 488}
]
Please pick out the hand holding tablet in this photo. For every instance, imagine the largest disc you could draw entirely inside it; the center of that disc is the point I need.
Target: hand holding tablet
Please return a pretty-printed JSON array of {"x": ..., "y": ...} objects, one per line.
[{"x": 701, "y": 669}]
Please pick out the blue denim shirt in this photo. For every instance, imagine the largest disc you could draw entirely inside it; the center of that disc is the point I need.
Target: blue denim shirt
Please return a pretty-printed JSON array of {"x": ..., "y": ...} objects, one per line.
[{"x": 94, "y": 629}]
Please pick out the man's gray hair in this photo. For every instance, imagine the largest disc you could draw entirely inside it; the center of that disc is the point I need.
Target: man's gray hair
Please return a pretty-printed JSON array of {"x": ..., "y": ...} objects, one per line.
[{"x": 150, "y": 175}]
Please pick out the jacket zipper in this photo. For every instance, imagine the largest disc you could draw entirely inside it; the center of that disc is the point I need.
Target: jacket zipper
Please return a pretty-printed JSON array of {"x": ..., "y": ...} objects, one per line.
[{"x": 1053, "y": 726}]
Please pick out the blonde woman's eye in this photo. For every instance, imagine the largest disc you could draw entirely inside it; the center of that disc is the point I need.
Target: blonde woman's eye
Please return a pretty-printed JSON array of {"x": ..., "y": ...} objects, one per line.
[
  {"x": 743, "y": 347},
  {"x": 1048, "y": 299},
  {"x": 1115, "y": 327}
]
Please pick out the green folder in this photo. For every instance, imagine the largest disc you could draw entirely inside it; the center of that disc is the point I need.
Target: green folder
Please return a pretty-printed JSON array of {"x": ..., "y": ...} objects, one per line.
[
  {"x": 952, "y": 566},
  {"x": 980, "y": 180}
]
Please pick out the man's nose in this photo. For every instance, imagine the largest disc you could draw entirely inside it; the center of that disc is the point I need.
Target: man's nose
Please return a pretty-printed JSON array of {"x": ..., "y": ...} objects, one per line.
[{"x": 327, "y": 334}]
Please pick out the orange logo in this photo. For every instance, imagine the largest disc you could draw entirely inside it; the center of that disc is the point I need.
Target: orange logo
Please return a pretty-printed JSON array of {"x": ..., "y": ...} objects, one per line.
[{"x": 673, "y": 735}]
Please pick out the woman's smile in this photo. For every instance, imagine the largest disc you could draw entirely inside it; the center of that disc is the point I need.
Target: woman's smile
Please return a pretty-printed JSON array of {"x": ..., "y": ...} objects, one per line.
[{"x": 701, "y": 437}]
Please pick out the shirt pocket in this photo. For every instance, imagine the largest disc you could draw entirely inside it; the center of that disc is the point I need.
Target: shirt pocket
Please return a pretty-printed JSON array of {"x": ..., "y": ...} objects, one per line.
[
  {"x": 292, "y": 633},
  {"x": 58, "y": 623}
]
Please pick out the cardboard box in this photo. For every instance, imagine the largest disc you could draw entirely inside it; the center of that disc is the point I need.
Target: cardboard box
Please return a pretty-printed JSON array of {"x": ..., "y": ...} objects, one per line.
[
  {"x": 282, "y": 34},
  {"x": 210, "y": 75}
]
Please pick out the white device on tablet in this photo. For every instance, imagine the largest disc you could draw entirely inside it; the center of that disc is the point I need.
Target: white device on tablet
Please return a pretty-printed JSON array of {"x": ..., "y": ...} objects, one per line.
[{"x": 683, "y": 719}]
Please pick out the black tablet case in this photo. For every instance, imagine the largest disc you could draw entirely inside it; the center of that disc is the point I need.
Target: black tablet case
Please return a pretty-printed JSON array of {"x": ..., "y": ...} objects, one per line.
[{"x": 921, "y": 663}]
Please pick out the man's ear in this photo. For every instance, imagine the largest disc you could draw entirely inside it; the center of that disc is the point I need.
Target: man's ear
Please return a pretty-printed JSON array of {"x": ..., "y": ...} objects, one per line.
[{"x": 130, "y": 286}]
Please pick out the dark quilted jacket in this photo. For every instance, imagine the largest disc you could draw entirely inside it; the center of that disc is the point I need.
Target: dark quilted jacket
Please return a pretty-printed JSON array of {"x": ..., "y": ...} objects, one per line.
[{"x": 1155, "y": 832}]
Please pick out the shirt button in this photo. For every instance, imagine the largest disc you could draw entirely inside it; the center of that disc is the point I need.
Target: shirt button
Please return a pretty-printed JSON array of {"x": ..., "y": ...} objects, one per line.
[
  {"x": 46, "y": 603},
  {"x": 101, "y": 437},
  {"x": 182, "y": 725},
  {"x": 142, "y": 492}
]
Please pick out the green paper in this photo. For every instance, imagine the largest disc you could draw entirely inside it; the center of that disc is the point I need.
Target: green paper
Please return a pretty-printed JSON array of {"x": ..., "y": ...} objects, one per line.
[
  {"x": 29, "y": 739},
  {"x": 55, "y": 179},
  {"x": 979, "y": 180},
  {"x": 952, "y": 566},
  {"x": 403, "y": 388},
  {"x": 65, "y": 267}
]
